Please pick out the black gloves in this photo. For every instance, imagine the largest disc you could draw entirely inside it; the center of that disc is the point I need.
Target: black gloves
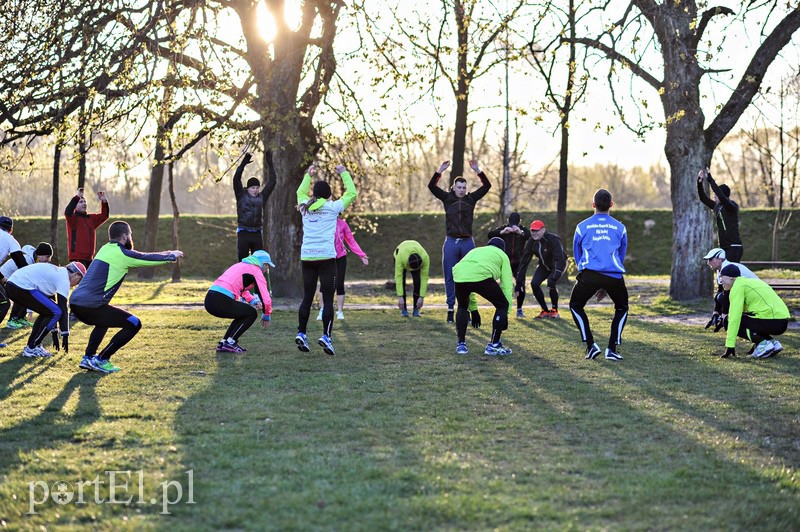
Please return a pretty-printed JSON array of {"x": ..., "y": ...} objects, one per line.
[
  {"x": 475, "y": 316},
  {"x": 65, "y": 343},
  {"x": 729, "y": 352},
  {"x": 721, "y": 322},
  {"x": 54, "y": 335},
  {"x": 714, "y": 320},
  {"x": 246, "y": 160}
]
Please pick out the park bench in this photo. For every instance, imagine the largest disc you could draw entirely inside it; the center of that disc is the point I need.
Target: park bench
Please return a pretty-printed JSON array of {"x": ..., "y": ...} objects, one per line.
[{"x": 777, "y": 284}]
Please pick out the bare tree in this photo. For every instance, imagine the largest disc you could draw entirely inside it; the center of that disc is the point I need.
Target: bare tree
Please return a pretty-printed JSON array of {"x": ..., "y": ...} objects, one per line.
[{"x": 676, "y": 31}]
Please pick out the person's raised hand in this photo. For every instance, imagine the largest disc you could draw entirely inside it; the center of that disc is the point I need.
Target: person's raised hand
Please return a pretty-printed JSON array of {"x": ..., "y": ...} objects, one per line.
[
  {"x": 444, "y": 166},
  {"x": 102, "y": 196},
  {"x": 247, "y": 159},
  {"x": 311, "y": 170},
  {"x": 474, "y": 165},
  {"x": 340, "y": 169},
  {"x": 80, "y": 192}
]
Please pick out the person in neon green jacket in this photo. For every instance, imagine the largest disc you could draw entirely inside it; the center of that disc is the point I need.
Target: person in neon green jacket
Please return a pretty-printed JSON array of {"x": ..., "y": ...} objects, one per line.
[
  {"x": 477, "y": 273},
  {"x": 318, "y": 250},
  {"x": 410, "y": 256},
  {"x": 756, "y": 313}
]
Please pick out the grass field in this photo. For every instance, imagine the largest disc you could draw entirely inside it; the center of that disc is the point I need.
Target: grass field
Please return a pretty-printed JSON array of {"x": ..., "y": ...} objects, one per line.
[{"x": 397, "y": 432}]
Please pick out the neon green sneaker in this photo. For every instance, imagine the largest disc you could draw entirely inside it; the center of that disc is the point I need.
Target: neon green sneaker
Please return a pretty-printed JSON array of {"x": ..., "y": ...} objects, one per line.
[
  {"x": 107, "y": 366},
  {"x": 14, "y": 323}
]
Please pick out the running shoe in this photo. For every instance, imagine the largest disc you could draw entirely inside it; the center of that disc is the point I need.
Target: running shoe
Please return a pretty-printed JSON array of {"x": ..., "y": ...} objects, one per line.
[
  {"x": 44, "y": 353},
  {"x": 340, "y": 315},
  {"x": 2, "y": 345},
  {"x": 496, "y": 349},
  {"x": 461, "y": 348},
  {"x": 97, "y": 364},
  {"x": 25, "y": 322},
  {"x": 554, "y": 313},
  {"x": 592, "y": 351},
  {"x": 30, "y": 352},
  {"x": 327, "y": 345},
  {"x": 543, "y": 314},
  {"x": 764, "y": 349},
  {"x": 450, "y": 316},
  {"x": 777, "y": 347},
  {"x": 302, "y": 342},
  {"x": 404, "y": 313},
  {"x": 613, "y": 355},
  {"x": 86, "y": 363},
  {"x": 107, "y": 366},
  {"x": 222, "y": 347},
  {"x": 14, "y": 324},
  {"x": 520, "y": 314},
  {"x": 415, "y": 313}
]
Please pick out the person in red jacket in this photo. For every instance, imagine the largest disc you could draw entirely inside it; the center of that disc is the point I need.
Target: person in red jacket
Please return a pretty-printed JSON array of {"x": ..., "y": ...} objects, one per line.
[{"x": 82, "y": 227}]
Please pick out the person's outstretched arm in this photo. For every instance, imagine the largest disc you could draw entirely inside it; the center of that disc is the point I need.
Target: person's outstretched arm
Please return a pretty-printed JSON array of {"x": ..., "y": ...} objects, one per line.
[
  {"x": 238, "y": 188},
  {"x": 485, "y": 184},
  {"x": 433, "y": 184},
  {"x": 350, "y": 192},
  {"x": 701, "y": 193}
]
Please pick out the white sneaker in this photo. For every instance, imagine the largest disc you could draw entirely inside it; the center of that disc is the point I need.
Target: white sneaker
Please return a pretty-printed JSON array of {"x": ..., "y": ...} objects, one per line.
[
  {"x": 340, "y": 315},
  {"x": 777, "y": 347},
  {"x": 44, "y": 353},
  {"x": 319, "y": 316},
  {"x": 764, "y": 349},
  {"x": 28, "y": 352}
]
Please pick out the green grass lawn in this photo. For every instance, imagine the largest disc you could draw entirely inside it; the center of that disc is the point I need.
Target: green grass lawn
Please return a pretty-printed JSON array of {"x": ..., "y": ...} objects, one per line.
[{"x": 397, "y": 432}]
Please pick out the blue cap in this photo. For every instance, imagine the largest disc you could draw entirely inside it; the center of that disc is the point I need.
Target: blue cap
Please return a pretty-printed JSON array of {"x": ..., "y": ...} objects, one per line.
[
  {"x": 6, "y": 223},
  {"x": 263, "y": 257}
]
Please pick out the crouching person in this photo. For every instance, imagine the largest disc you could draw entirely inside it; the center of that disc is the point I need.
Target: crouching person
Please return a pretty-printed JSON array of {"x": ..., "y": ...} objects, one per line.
[
  {"x": 34, "y": 287},
  {"x": 222, "y": 299},
  {"x": 756, "y": 313},
  {"x": 477, "y": 273}
]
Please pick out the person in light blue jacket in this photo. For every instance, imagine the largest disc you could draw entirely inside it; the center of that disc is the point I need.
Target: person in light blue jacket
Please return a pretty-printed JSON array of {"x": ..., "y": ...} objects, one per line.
[{"x": 599, "y": 248}]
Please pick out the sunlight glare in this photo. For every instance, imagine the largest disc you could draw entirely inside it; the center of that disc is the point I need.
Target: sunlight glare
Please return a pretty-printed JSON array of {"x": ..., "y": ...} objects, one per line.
[{"x": 266, "y": 23}]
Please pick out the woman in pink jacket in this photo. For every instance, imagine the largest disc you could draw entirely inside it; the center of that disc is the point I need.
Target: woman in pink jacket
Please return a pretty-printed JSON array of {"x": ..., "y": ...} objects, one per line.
[
  {"x": 222, "y": 299},
  {"x": 343, "y": 236}
]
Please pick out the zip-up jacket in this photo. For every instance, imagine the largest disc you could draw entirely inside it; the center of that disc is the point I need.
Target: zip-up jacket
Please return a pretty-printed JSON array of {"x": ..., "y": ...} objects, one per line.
[
  {"x": 239, "y": 279},
  {"x": 600, "y": 245},
  {"x": 755, "y": 298},
  {"x": 726, "y": 214},
  {"x": 319, "y": 221},
  {"x": 551, "y": 254},
  {"x": 248, "y": 208},
  {"x": 82, "y": 230},
  {"x": 515, "y": 244},
  {"x": 486, "y": 262},
  {"x": 107, "y": 271},
  {"x": 402, "y": 252},
  {"x": 345, "y": 236},
  {"x": 459, "y": 212}
]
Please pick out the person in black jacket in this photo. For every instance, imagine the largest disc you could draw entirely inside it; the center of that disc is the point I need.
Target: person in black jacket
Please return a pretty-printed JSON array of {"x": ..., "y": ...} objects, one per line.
[
  {"x": 549, "y": 249},
  {"x": 515, "y": 236},
  {"x": 726, "y": 215},
  {"x": 459, "y": 208},
  {"x": 249, "y": 209}
]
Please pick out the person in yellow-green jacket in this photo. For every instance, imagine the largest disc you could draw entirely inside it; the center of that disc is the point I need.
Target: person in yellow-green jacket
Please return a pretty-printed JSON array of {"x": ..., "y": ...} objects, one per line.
[
  {"x": 410, "y": 256},
  {"x": 477, "y": 273},
  {"x": 756, "y": 313},
  {"x": 318, "y": 250}
]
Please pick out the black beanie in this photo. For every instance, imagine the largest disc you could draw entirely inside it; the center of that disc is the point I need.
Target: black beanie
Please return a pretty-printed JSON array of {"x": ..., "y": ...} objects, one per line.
[
  {"x": 253, "y": 182},
  {"x": 725, "y": 189},
  {"x": 497, "y": 242},
  {"x": 43, "y": 250},
  {"x": 322, "y": 190},
  {"x": 514, "y": 218},
  {"x": 414, "y": 261}
]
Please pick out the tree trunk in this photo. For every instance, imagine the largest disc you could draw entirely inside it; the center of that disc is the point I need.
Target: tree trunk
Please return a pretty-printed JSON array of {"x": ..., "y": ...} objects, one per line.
[
  {"x": 154, "y": 202},
  {"x": 176, "y": 215},
  {"x": 459, "y": 137},
  {"x": 54, "y": 209}
]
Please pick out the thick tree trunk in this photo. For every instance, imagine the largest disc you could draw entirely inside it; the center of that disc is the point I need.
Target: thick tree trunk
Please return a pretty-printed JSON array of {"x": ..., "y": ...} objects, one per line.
[
  {"x": 563, "y": 181},
  {"x": 176, "y": 216},
  {"x": 153, "y": 203},
  {"x": 459, "y": 137}
]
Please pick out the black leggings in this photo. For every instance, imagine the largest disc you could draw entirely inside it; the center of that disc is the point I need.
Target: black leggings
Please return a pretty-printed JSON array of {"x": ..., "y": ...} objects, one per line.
[
  {"x": 48, "y": 312},
  {"x": 103, "y": 318},
  {"x": 222, "y": 306},
  {"x": 416, "y": 279},
  {"x": 341, "y": 270},
  {"x": 756, "y": 330},
  {"x": 323, "y": 271},
  {"x": 539, "y": 277},
  {"x": 587, "y": 285},
  {"x": 491, "y": 291},
  {"x": 248, "y": 242},
  {"x": 5, "y": 304}
]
